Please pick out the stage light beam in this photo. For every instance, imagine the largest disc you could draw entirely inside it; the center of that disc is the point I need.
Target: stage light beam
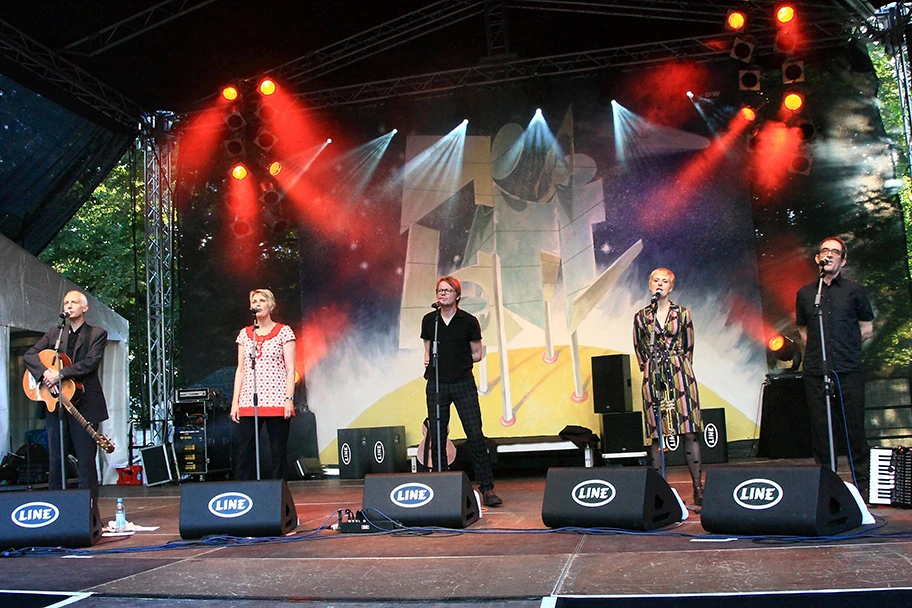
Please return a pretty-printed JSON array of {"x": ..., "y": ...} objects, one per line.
[
  {"x": 785, "y": 13},
  {"x": 793, "y": 101},
  {"x": 230, "y": 93},
  {"x": 267, "y": 87},
  {"x": 735, "y": 20},
  {"x": 239, "y": 171}
]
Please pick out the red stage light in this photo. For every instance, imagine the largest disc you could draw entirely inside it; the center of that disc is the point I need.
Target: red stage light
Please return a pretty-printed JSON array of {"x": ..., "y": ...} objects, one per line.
[
  {"x": 275, "y": 168},
  {"x": 267, "y": 87},
  {"x": 748, "y": 114},
  {"x": 776, "y": 343},
  {"x": 793, "y": 101},
  {"x": 735, "y": 20},
  {"x": 239, "y": 171},
  {"x": 785, "y": 13},
  {"x": 230, "y": 93}
]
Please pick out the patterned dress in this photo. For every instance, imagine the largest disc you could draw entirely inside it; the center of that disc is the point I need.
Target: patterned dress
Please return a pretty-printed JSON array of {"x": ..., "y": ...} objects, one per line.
[
  {"x": 668, "y": 364},
  {"x": 270, "y": 370}
]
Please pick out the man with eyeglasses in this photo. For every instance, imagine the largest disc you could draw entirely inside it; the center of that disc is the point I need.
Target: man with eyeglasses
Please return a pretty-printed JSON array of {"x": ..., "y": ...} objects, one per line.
[
  {"x": 458, "y": 336},
  {"x": 848, "y": 321}
]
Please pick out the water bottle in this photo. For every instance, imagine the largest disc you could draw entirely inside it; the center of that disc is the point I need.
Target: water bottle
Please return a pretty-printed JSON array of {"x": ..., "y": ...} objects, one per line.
[{"x": 120, "y": 517}]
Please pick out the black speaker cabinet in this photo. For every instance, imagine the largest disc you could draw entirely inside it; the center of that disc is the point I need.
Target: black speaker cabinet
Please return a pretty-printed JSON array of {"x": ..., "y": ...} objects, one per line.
[
  {"x": 611, "y": 390},
  {"x": 302, "y": 440},
  {"x": 62, "y": 518},
  {"x": 713, "y": 441},
  {"x": 785, "y": 423},
  {"x": 354, "y": 455},
  {"x": 237, "y": 508},
  {"x": 629, "y": 498},
  {"x": 422, "y": 499},
  {"x": 794, "y": 500},
  {"x": 387, "y": 449},
  {"x": 622, "y": 432}
]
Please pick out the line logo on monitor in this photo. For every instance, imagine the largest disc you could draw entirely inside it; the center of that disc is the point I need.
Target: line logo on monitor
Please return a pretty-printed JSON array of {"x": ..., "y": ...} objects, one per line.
[
  {"x": 711, "y": 435},
  {"x": 35, "y": 515},
  {"x": 230, "y": 504},
  {"x": 593, "y": 493},
  {"x": 411, "y": 495},
  {"x": 758, "y": 494}
]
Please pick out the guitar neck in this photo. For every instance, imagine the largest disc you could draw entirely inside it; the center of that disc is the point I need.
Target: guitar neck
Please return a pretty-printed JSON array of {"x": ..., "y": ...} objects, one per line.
[{"x": 100, "y": 439}]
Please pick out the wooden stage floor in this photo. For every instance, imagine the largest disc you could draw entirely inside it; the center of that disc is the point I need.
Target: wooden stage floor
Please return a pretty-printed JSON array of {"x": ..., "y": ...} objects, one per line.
[{"x": 508, "y": 558}]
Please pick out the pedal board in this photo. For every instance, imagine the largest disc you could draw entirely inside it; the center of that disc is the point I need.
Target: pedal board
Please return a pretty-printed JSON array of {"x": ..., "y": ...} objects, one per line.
[{"x": 358, "y": 523}]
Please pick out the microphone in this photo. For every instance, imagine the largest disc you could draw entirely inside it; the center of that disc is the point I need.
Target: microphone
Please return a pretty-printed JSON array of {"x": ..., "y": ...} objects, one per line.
[
  {"x": 435, "y": 305},
  {"x": 65, "y": 314},
  {"x": 824, "y": 263},
  {"x": 656, "y": 296},
  {"x": 255, "y": 309}
]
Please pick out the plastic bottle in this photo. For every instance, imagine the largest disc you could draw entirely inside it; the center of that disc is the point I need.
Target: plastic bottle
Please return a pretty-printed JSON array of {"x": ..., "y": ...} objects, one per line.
[{"x": 120, "y": 516}]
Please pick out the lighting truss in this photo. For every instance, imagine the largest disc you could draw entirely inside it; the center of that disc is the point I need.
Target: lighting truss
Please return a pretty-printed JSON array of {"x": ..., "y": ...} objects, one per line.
[{"x": 160, "y": 216}]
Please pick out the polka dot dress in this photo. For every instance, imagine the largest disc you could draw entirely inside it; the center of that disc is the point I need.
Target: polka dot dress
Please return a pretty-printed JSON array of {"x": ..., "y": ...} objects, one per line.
[{"x": 270, "y": 370}]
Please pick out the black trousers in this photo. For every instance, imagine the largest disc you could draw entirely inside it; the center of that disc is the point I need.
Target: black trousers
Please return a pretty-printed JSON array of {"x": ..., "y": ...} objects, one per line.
[
  {"x": 84, "y": 447},
  {"x": 852, "y": 388},
  {"x": 277, "y": 427},
  {"x": 464, "y": 395}
]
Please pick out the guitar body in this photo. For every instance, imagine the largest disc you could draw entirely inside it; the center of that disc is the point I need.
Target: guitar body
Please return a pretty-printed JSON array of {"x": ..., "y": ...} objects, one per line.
[
  {"x": 70, "y": 390},
  {"x": 424, "y": 447}
]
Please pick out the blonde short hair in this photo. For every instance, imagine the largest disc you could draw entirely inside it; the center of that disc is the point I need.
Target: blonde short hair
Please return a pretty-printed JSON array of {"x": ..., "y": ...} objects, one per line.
[
  {"x": 670, "y": 274},
  {"x": 266, "y": 294}
]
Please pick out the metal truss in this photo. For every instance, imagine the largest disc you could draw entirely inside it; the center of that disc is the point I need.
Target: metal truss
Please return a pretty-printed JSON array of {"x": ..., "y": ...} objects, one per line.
[
  {"x": 127, "y": 29},
  {"x": 830, "y": 31},
  {"x": 160, "y": 226},
  {"x": 895, "y": 20},
  {"x": 23, "y": 51},
  {"x": 496, "y": 28}
]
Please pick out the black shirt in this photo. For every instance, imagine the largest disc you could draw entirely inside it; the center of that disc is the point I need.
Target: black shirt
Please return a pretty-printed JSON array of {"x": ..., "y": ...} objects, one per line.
[
  {"x": 72, "y": 339},
  {"x": 843, "y": 303},
  {"x": 455, "y": 338}
]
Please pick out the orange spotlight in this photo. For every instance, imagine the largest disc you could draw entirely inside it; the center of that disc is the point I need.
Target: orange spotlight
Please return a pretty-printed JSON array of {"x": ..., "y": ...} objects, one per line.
[
  {"x": 785, "y": 13},
  {"x": 776, "y": 343},
  {"x": 230, "y": 93},
  {"x": 267, "y": 87},
  {"x": 239, "y": 171},
  {"x": 275, "y": 168},
  {"x": 793, "y": 101},
  {"x": 735, "y": 20},
  {"x": 748, "y": 114}
]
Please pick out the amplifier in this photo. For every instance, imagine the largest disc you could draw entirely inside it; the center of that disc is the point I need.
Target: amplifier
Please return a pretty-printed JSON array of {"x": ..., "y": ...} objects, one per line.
[{"x": 195, "y": 394}]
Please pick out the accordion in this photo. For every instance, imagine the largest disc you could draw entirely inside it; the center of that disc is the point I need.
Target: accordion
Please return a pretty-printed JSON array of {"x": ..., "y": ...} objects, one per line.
[{"x": 891, "y": 477}]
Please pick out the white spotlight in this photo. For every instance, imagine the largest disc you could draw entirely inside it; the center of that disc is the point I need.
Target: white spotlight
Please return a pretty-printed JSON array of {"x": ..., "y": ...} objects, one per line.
[
  {"x": 465, "y": 122},
  {"x": 395, "y": 131},
  {"x": 690, "y": 94},
  {"x": 538, "y": 112},
  {"x": 329, "y": 141}
]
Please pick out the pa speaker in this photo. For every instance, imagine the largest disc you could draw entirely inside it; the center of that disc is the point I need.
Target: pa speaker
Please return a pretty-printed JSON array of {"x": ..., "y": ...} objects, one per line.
[
  {"x": 785, "y": 430},
  {"x": 611, "y": 390},
  {"x": 713, "y": 441},
  {"x": 622, "y": 432},
  {"x": 354, "y": 453},
  {"x": 387, "y": 449},
  {"x": 64, "y": 518},
  {"x": 237, "y": 508},
  {"x": 422, "y": 499},
  {"x": 795, "y": 500},
  {"x": 628, "y": 498}
]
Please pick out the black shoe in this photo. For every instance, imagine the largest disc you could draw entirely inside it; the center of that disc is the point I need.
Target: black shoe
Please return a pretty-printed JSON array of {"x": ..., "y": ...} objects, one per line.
[
  {"x": 490, "y": 499},
  {"x": 698, "y": 496}
]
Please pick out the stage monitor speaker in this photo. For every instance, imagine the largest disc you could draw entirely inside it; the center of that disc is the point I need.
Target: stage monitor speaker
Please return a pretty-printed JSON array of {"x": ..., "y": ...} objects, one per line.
[
  {"x": 785, "y": 428},
  {"x": 611, "y": 390},
  {"x": 800, "y": 500},
  {"x": 713, "y": 441},
  {"x": 354, "y": 453},
  {"x": 61, "y": 518},
  {"x": 422, "y": 499},
  {"x": 387, "y": 449},
  {"x": 614, "y": 497},
  {"x": 302, "y": 440},
  {"x": 237, "y": 508},
  {"x": 159, "y": 464},
  {"x": 622, "y": 432}
]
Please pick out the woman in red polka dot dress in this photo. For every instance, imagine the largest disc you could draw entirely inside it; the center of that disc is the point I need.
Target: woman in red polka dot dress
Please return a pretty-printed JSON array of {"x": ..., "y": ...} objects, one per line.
[{"x": 272, "y": 346}]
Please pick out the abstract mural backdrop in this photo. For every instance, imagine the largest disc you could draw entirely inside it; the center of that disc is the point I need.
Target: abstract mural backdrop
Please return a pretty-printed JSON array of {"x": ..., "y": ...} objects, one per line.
[{"x": 551, "y": 201}]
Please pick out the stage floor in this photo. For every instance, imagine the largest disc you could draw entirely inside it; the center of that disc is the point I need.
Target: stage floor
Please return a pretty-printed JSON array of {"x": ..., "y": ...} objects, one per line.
[{"x": 508, "y": 558}]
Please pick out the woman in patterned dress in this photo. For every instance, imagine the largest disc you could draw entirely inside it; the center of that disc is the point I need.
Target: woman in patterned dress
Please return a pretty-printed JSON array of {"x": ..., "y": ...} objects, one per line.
[
  {"x": 271, "y": 346},
  {"x": 663, "y": 339}
]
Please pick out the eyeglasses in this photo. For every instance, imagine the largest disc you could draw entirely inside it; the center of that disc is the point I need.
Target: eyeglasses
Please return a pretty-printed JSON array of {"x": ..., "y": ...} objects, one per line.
[
  {"x": 826, "y": 250},
  {"x": 445, "y": 291}
]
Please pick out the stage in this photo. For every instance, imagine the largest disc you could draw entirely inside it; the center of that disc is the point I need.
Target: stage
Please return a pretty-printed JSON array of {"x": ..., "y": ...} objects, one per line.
[{"x": 507, "y": 558}]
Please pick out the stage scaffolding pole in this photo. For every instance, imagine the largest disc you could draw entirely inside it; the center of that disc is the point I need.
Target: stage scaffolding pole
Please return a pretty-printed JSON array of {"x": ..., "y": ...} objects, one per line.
[{"x": 159, "y": 214}]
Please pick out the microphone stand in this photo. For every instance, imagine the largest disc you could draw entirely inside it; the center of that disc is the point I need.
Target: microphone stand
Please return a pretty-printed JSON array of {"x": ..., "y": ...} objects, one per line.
[
  {"x": 656, "y": 375},
  {"x": 60, "y": 325},
  {"x": 256, "y": 398},
  {"x": 438, "y": 431},
  {"x": 827, "y": 382}
]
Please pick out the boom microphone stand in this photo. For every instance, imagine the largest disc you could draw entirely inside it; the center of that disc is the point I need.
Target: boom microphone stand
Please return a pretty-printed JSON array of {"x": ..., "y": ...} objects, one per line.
[
  {"x": 827, "y": 382},
  {"x": 256, "y": 397},
  {"x": 57, "y": 359}
]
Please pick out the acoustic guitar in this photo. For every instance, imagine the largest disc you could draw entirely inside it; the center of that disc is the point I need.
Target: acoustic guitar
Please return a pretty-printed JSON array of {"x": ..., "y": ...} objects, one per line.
[
  {"x": 425, "y": 447},
  {"x": 70, "y": 390}
]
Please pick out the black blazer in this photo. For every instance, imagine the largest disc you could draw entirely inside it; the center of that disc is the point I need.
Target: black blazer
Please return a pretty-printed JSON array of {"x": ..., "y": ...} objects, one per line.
[{"x": 90, "y": 346}]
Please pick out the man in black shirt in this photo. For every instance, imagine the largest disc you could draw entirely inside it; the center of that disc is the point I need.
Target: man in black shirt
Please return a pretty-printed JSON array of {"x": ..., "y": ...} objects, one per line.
[
  {"x": 458, "y": 336},
  {"x": 848, "y": 320},
  {"x": 85, "y": 346}
]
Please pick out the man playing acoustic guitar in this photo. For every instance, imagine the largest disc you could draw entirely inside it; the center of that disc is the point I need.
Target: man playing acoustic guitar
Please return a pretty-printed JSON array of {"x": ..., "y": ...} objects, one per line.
[{"x": 84, "y": 347}]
